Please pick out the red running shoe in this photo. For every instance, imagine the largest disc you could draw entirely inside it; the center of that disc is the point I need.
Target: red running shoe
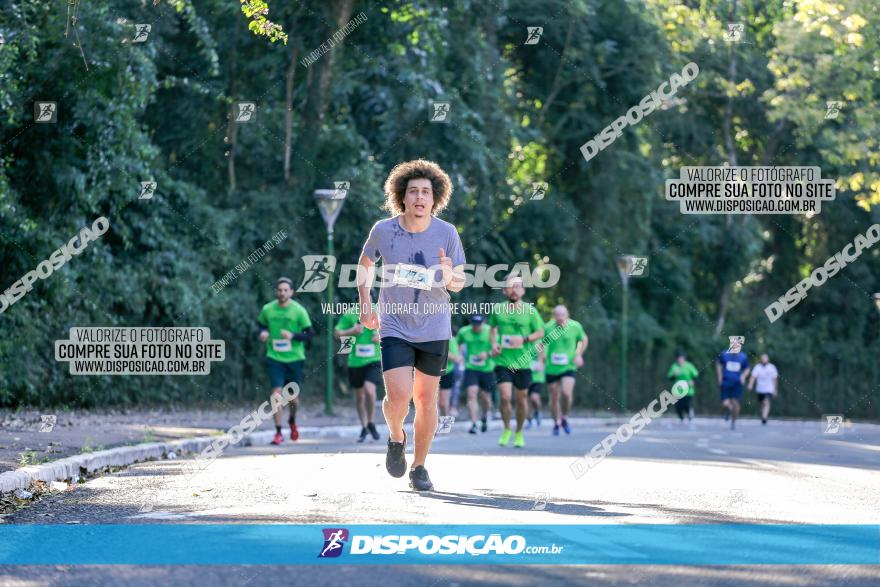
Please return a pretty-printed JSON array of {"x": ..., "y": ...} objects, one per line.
[
  {"x": 294, "y": 432},
  {"x": 278, "y": 438}
]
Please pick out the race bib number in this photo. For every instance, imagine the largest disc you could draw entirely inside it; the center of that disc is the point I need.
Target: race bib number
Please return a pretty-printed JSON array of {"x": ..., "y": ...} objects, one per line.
[
  {"x": 559, "y": 359},
  {"x": 733, "y": 366},
  {"x": 281, "y": 345},
  {"x": 413, "y": 276},
  {"x": 365, "y": 350},
  {"x": 477, "y": 361}
]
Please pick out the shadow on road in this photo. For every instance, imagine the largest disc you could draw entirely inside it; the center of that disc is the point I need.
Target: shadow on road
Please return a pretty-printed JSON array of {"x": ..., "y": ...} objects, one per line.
[{"x": 502, "y": 501}]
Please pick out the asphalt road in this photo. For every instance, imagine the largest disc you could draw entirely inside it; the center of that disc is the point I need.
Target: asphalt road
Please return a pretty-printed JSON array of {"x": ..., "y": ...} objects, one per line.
[{"x": 786, "y": 472}]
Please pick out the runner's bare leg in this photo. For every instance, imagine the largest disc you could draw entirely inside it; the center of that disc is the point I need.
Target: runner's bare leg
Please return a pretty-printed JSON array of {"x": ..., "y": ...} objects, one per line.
[
  {"x": 361, "y": 405},
  {"x": 443, "y": 402},
  {"x": 522, "y": 407},
  {"x": 279, "y": 415},
  {"x": 554, "y": 401},
  {"x": 504, "y": 393},
  {"x": 567, "y": 395},
  {"x": 472, "y": 402},
  {"x": 425, "y": 390},
  {"x": 369, "y": 400},
  {"x": 398, "y": 392}
]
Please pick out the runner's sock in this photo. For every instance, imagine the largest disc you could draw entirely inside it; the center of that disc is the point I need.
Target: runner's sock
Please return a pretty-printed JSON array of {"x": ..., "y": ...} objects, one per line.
[{"x": 278, "y": 429}]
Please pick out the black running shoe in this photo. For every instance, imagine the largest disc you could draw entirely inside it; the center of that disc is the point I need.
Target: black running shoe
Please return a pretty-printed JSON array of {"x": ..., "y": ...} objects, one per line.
[
  {"x": 395, "y": 458},
  {"x": 473, "y": 429},
  {"x": 363, "y": 435},
  {"x": 372, "y": 428},
  {"x": 419, "y": 480},
  {"x": 484, "y": 426}
]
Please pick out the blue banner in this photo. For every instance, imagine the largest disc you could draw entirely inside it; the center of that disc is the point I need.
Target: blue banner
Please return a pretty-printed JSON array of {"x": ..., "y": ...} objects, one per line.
[{"x": 281, "y": 544}]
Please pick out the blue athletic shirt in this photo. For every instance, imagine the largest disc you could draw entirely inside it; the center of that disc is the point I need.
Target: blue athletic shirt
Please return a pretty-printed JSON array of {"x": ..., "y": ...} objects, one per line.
[{"x": 732, "y": 366}]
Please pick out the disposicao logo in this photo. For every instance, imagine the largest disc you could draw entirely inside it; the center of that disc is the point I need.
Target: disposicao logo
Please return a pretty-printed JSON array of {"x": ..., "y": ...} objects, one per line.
[{"x": 334, "y": 540}]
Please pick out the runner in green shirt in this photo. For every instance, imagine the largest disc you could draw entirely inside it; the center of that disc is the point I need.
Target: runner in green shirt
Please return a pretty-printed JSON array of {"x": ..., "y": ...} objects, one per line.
[
  {"x": 284, "y": 327},
  {"x": 515, "y": 326},
  {"x": 364, "y": 367},
  {"x": 564, "y": 344},
  {"x": 683, "y": 370},
  {"x": 479, "y": 370},
  {"x": 447, "y": 380}
]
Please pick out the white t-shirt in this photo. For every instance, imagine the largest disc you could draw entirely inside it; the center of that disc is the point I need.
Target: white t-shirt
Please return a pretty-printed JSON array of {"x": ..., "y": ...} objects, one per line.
[{"x": 764, "y": 376}]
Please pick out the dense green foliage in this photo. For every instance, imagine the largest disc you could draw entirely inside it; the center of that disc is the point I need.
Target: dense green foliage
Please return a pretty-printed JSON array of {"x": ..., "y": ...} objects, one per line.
[{"x": 161, "y": 110}]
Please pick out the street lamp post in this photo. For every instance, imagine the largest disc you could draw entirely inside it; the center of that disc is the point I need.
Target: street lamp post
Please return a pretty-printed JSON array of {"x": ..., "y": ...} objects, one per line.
[
  {"x": 624, "y": 266},
  {"x": 330, "y": 204}
]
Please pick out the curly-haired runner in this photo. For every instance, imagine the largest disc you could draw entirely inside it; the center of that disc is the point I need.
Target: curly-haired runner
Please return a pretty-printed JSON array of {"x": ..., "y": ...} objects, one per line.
[{"x": 422, "y": 261}]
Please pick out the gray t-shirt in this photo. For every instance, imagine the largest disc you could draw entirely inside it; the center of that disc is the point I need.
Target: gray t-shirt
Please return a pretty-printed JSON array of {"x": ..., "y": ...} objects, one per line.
[{"x": 413, "y": 305}]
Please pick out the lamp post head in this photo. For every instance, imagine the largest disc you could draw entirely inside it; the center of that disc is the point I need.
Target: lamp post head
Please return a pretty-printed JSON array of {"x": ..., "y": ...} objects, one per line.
[{"x": 330, "y": 205}]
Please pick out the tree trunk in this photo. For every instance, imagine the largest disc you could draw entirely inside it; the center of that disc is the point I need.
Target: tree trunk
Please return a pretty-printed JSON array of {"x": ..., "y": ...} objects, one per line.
[
  {"x": 554, "y": 91},
  {"x": 232, "y": 134},
  {"x": 727, "y": 130},
  {"x": 232, "y": 127},
  {"x": 288, "y": 112},
  {"x": 316, "y": 103}
]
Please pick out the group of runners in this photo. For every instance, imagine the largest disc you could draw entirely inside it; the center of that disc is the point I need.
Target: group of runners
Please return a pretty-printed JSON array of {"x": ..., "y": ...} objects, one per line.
[
  {"x": 509, "y": 356},
  {"x": 510, "y": 359},
  {"x": 734, "y": 374}
]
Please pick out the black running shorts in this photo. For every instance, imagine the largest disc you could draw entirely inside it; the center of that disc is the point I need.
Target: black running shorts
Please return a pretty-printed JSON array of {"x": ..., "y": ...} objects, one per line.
[
  {"x": 485, "y": 380},
  {"x": 447, "y": 381},
  {"x": 428, "y": 357},
  {"x": 555, "y": 378},
  {"x": 372, "y": 372},
  {"x": 521, "y": 378},
  {"x": 280, "y": 374}
]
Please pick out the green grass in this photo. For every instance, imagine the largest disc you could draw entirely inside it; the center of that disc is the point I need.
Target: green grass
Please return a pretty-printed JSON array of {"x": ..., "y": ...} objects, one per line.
[
  {"x": 87, "y": 446},
  {"x": 28, "y": 457}
]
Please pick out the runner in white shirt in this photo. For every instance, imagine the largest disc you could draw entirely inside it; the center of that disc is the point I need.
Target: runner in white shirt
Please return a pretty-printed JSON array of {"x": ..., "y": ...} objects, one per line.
[{"x": 767, "y": 377}]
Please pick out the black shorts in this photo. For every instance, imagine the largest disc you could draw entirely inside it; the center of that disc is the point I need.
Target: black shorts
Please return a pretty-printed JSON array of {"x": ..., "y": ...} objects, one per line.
[
  {"x": 447, "y": 380},
  {"x": 555, "y": 378},
  {"x": 280, "y": 374},
  {"x": 372, "y": 372},
  {"x": 428, "y": 357},
  {"x": 537, "y": 388},
  {"x": 485, "y": 380},
  {"x": 521, "y": 378},
  {"x": 763, "y": 396}
]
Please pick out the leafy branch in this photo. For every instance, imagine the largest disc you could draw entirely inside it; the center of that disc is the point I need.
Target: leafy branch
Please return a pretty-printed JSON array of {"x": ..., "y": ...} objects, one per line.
[{"x": 256, "y": 11}]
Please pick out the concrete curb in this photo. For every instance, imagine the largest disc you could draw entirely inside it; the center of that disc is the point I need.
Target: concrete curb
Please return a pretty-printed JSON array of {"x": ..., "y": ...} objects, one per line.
[{"x": 75, "y": 466}]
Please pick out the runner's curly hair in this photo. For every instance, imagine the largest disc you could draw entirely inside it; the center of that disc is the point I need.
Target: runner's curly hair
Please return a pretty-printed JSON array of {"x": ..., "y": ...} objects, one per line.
[{"x": 395, "y": 185}]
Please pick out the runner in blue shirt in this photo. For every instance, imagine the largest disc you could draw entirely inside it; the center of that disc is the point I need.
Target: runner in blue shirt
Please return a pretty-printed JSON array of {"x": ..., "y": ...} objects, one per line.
[{"x": 733, "y": 371}]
